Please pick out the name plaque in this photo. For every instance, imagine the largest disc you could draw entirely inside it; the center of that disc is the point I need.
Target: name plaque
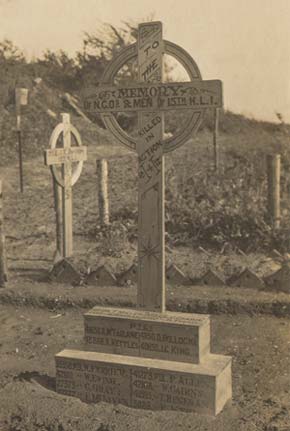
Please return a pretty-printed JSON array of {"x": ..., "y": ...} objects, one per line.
[
  {"x": 145, "y": 383},
  {"x": 170, "y": 336}
]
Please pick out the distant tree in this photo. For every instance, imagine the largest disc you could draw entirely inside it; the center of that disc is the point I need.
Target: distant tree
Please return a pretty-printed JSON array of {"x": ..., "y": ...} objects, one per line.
[
  {"x": 10, "y": 53},
  {"x": 109, "y": 40},
  {"x": 99, "y": 48},
  {"x": 102, "y": 46},
  {"x": 58, "y": 69},
  {"x": 12, "y": 66}
]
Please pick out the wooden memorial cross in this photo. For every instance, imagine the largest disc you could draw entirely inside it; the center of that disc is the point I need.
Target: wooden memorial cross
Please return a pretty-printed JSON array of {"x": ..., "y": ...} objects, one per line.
[
  {"x": 150, "y": 97},
  {"x": 65, "y": 156}
]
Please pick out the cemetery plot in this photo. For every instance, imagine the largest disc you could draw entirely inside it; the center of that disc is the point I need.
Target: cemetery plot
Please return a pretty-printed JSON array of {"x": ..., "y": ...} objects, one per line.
[{"x": 261, "y": 391}]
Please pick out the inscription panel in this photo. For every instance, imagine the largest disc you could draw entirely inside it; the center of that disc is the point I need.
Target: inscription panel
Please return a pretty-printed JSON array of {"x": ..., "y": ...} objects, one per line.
[
  {"x": 62, "y": 155},
  {"x": 144, "y": 383},
  {"x": 135, "y": 334},
  {"x": 194, "y": 95}
]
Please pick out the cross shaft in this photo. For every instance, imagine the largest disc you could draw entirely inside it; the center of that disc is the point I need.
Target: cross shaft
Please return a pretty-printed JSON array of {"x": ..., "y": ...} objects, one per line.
[{"x": 151, "y": 266}]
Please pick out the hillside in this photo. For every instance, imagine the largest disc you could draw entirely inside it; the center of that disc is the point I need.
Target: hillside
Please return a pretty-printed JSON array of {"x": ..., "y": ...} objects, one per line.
[
  {"x": 202, "y": 207},
  {"x": 247, "y": 136}
]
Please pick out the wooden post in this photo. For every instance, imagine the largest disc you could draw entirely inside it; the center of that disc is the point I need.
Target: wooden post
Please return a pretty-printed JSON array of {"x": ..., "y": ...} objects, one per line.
[
  {"x": 67, "y": 191},
  {"x": 58, "y": 216},
  {"x": 273, "y": 173},
  {"x": 215, "y": 139},
  {"x": 21, "y": 96},
  {"x": 102, "y": 177},
  {"x": 3, "y": 263},
  {"x": 19, "y": 139}
]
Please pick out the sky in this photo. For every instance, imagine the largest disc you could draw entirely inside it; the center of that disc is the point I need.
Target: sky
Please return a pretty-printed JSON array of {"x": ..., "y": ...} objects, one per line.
[{"x": 245, "y": 43}]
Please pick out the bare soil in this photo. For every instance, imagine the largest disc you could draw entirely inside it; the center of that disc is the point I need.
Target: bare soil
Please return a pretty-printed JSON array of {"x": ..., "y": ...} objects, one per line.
[{"x": 31, "y": 337}]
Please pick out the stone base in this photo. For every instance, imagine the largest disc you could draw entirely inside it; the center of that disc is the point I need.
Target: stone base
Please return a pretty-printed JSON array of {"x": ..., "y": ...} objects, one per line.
[
  {"x": 170, "y": 336},
  {"x": 145, "y": 383}
]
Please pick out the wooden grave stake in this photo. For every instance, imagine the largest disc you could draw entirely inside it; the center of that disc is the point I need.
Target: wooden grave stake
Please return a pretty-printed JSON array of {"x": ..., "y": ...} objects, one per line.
[
  {"x": 215, "y": 140},
  {"x": 102, "y": 177},
  {"x": 21, "y": 98},
  {"x": 57, "y": 196},
  {"x": 64, "y": 157},
  {"x": 150, "y": 97},
  {"x": 273, "y": 174},
  {"x": 3, "y": 262}
]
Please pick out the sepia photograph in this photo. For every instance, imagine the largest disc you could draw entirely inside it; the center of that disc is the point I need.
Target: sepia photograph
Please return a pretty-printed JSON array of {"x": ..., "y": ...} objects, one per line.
[{"x": 144, "y": 215}]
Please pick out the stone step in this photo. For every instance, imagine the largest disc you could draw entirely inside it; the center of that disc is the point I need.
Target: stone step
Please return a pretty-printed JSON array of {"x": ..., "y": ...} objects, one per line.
[
  {"x": 144, "y": 382},
  {"x": 171, "y": 336}
]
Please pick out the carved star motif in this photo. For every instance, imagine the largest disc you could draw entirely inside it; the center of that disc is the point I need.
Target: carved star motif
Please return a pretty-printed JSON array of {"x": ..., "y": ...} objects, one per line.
[{"x": 149, "y": 250}]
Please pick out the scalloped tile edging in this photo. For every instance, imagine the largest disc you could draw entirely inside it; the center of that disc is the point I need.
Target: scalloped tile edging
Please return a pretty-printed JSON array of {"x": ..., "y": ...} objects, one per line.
[{"x": 279, "y": 280}]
